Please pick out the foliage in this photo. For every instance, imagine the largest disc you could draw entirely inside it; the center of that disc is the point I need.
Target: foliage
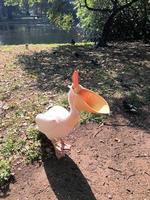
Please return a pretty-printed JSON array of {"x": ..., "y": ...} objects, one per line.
[
  {"x": 20, "y": 2},
  {"x": 5, "y": 171},
  {"x": 61, "y": 21},
  {"x": 61, "y": 14},
  {"x": 128, "y": 24},
  {"x": 89, "y": 22}
]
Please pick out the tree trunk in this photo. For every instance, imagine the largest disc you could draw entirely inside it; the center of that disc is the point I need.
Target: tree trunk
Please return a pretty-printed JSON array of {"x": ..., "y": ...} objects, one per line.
[
  {"x": 102, "y": 42},
  {"x": 145, "y": 18}
]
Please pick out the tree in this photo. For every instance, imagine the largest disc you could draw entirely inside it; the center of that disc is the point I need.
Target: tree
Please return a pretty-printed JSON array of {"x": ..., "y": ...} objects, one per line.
[{"x": 109, "y": 9}]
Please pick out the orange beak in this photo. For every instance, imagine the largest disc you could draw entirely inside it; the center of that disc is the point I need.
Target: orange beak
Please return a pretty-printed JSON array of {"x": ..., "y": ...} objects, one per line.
[
  {"x": 87, "y": 100},
  {"x": 75, "y": 80}
]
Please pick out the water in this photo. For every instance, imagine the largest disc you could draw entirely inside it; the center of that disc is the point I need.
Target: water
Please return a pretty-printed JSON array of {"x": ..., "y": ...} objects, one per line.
[{"x": 35, "y": 34}]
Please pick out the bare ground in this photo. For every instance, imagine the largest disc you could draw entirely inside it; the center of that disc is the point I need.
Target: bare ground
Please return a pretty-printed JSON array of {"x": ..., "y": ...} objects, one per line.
[{"x": 108, "y": 162}]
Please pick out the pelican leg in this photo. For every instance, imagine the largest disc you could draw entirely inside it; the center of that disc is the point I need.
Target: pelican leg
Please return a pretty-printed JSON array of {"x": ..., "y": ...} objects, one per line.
[
  {"x": 65, "y": 145},
  {"x": 59, "y": 150},
  {"x": 60, "y": 146}
]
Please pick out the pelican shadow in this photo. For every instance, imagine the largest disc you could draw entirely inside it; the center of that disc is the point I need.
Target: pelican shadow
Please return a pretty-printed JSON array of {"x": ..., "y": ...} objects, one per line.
[{"x": 66, "y": 179}]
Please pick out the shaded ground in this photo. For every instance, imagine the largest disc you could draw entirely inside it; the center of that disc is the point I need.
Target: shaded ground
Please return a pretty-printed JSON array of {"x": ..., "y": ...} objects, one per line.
[
  {"x": 119, "y": 72},
  {"x": 108, "y": 162}
]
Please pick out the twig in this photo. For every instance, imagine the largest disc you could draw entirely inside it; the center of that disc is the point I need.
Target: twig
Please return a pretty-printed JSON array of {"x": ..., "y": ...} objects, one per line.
[
  {"x": 107, "y": 124},
  {"x": 142, "y": 156},
  {"x": 146, "y": 180},
  {"x": 116, "y": 170},
  {"x": 99, "y": 130},
  {"x": 96, "y": 133},
  {"x": 130, "y": 176},
  {"x": 41, "y": 190},
  {"x": 147, "y": 173}
]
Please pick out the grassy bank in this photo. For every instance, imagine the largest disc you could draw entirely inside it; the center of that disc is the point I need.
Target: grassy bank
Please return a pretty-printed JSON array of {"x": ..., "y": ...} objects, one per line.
[{"x": 35, "y": 77}]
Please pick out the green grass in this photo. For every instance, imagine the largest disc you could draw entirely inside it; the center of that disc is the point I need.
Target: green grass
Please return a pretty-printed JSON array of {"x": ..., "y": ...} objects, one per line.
[
  {"x": 7, "y": 48},
  {"x": 33, "y": 134},
  {"x": 12, "y": 145},
  {"x": 5, "y": 171},
  {"x": 62, "y": 100},
  {"x": 90, "y": 117},
  {"x": 33, "y": 151}
]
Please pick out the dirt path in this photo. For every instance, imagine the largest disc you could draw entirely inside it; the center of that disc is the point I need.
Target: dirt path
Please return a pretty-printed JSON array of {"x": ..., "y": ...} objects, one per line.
[{"x": 108, "y": 162}]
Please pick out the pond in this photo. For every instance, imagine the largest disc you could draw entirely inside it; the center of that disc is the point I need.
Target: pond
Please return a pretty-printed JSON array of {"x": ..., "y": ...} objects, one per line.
[{"x": 11, "y": 33}]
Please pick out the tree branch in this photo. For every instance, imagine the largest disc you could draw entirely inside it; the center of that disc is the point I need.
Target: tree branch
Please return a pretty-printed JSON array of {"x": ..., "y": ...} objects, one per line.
[
  {"x": 96, "y": 9},
  {"x": 115, "y": 8}
]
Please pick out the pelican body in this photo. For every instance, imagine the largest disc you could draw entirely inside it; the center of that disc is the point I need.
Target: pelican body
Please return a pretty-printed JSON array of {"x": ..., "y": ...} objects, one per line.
[{"x": 58, "y": 122}]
